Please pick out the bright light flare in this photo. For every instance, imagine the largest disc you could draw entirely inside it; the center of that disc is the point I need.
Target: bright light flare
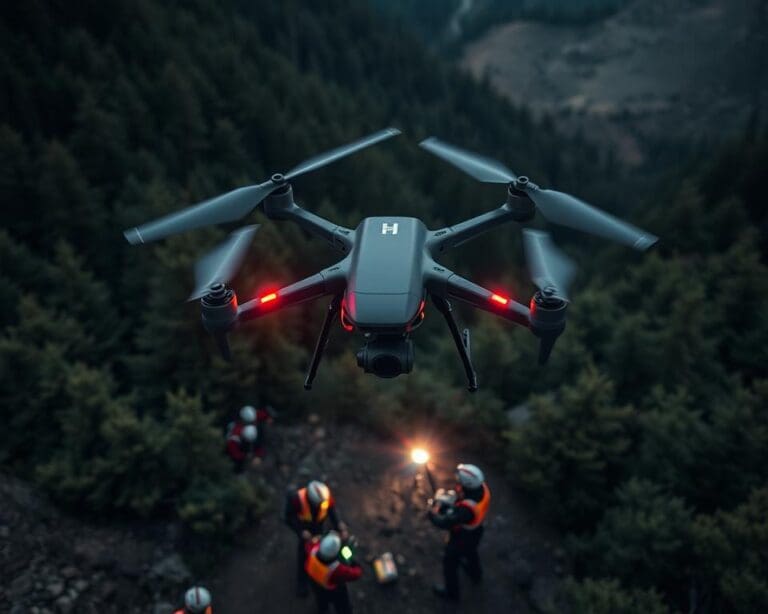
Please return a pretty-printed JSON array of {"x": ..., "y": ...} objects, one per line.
[
  {"x": 419, "y": 456},
  {"x": 501, "y": 300}
]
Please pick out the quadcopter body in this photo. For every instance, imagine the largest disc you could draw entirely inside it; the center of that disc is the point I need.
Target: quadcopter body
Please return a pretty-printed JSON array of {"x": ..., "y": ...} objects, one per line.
[{"x": 388, "y": 266}]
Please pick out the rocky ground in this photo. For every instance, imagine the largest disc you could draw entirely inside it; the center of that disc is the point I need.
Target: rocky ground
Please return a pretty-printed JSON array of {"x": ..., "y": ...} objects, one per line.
[
  {"x": 50, "y": 562},
  {"x": 54, "y": 563},
  {"x": 658, "y": 70},
  {"x": 384, "y": 503}
]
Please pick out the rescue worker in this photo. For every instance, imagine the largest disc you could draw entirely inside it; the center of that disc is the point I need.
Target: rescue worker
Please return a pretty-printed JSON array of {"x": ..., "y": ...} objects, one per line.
[
  {"x": 306, "y": 511},
  {"x": 243, "y": 442},
  {"x": 463, "y": 517},
  {"x": 197, "y": 600},
  {"x": 329, "y": 574},
  {"x": 241, "y": 446}
]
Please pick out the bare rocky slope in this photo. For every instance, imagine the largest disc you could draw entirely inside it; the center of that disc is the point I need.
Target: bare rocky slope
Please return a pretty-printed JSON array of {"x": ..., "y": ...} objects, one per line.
[
  {"x": 52, "y": 562},
  {"x": 658, "y": 70}
]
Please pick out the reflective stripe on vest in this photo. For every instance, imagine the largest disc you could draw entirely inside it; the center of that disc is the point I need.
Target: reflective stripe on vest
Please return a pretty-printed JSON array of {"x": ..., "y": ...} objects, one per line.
[
  {"x": 479, "y": 509},
  {"x": 305, "y": 513},
  {"x": 319, "y": 571}
]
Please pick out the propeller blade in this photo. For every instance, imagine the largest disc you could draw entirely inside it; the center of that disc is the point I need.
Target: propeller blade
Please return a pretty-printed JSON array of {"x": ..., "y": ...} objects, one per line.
[
  {"x": 225, "y": 208},
  {"x": 567, "y": 210},
  {"x": 221, "y": 264},
  {"x": 549, "y": 267},
  {"x": 479, "y": 167},
  {"x": 345, "y": 150},
  {"x": 239, "y": 203}
]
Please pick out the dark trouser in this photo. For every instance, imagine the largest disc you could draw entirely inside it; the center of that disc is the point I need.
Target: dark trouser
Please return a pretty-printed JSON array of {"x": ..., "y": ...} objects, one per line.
[
  {"x": 461, "y": 550},
  {"x": 239, "y": 465},
  {"x": 301, "y": 575},
  {"x": 338, "y": 597}
]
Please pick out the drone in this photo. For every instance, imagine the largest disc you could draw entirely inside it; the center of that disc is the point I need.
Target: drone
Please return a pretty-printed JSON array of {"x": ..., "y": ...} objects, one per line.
[{"x": 389, "y": 265}]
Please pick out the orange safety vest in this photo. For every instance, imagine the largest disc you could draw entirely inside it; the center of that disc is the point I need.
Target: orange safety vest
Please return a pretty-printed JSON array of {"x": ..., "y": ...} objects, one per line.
[
  {"x": 317, "y": 570},
  {"x": 479, "y": 508},
  {"x": 305, "y": 513}
]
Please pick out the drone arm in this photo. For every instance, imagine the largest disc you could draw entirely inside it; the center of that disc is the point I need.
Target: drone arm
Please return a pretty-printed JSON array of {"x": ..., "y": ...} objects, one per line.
[
  {"x": 337, "y": 236},
  {"x": 464, "y": 231},
  {"x": 517, "y": 209},
  {"x": 479, "y": 297},
  {"x": 329, "y": 281},
  {"x": 447, "y": 284},
  {"x": 280, "y": 206}
]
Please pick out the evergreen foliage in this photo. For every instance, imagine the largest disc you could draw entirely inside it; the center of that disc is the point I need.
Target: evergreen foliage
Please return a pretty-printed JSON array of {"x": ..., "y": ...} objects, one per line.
[
  {"x": 608, "y": 597},
  {"x": 649, "y": 429},
  {"x": 733, "y": 547}
]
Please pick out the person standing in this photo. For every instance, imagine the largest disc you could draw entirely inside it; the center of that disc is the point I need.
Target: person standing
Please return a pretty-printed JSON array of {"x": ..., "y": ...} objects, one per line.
[
  {"x": 463, "y": 518},
  {"x": 330, "y": 574},
  {"x": 306, "y": 512}
]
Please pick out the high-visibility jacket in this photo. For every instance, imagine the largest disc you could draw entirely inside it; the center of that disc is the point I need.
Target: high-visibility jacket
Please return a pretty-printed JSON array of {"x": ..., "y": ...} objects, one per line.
[
  {"x": 320, "y": 572},
  {"x": 305, "y": 509},
  {"x": 479, "y": 509}
]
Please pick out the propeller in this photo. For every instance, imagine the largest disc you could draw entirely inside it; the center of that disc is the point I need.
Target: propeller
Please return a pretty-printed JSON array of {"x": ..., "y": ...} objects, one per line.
[
  {"x": 242, "y": 201},
  {"x": 481, "y": 168},
  {"x": 557, "y": 207},
  {"x": 220, "y": 265},
  {"x": 551, "y": 270}
]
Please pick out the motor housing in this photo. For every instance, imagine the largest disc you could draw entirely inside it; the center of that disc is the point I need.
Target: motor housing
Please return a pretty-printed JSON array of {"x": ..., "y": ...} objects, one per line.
[
  {"x": 520, "y": 204},
  {"x": 547, "y": 320},
  {"x": 219, "y": 315}
]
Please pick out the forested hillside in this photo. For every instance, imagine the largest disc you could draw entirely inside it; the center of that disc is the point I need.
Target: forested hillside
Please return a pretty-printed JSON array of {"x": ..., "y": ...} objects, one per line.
[{"x": 648, "y": 439}]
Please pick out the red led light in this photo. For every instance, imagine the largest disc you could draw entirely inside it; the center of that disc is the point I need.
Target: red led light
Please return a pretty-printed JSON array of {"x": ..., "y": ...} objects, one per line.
[
  {"x": 501, "y": 300},
  {"x": 267, "y": 298},
  {"x": 345, "y": 323}
]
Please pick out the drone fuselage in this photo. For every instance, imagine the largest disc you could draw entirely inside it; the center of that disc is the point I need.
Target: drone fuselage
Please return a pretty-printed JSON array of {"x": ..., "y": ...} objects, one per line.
[
  {"x": 387, "y": 267},
  {"x": 385, "y": 287}
]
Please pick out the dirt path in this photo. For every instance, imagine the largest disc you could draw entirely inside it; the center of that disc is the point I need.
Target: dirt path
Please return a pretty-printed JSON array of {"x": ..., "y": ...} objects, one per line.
[{"x": 384, "y": 505}]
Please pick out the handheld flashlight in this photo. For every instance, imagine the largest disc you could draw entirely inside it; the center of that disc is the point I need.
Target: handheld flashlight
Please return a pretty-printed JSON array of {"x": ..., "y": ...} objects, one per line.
[{"x": 420, "y": 456}]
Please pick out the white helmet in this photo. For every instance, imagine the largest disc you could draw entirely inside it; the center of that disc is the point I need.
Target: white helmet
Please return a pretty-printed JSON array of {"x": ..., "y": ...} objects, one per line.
[
  {"x": 197, "y": 599},
  {"x": 469, "y": 476},
  {"x": 318, "y": 492},
  {"x": 330, "y": 546},
  {"x": 250, "y": 433},
  {"x": 248, "y": 414}
]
